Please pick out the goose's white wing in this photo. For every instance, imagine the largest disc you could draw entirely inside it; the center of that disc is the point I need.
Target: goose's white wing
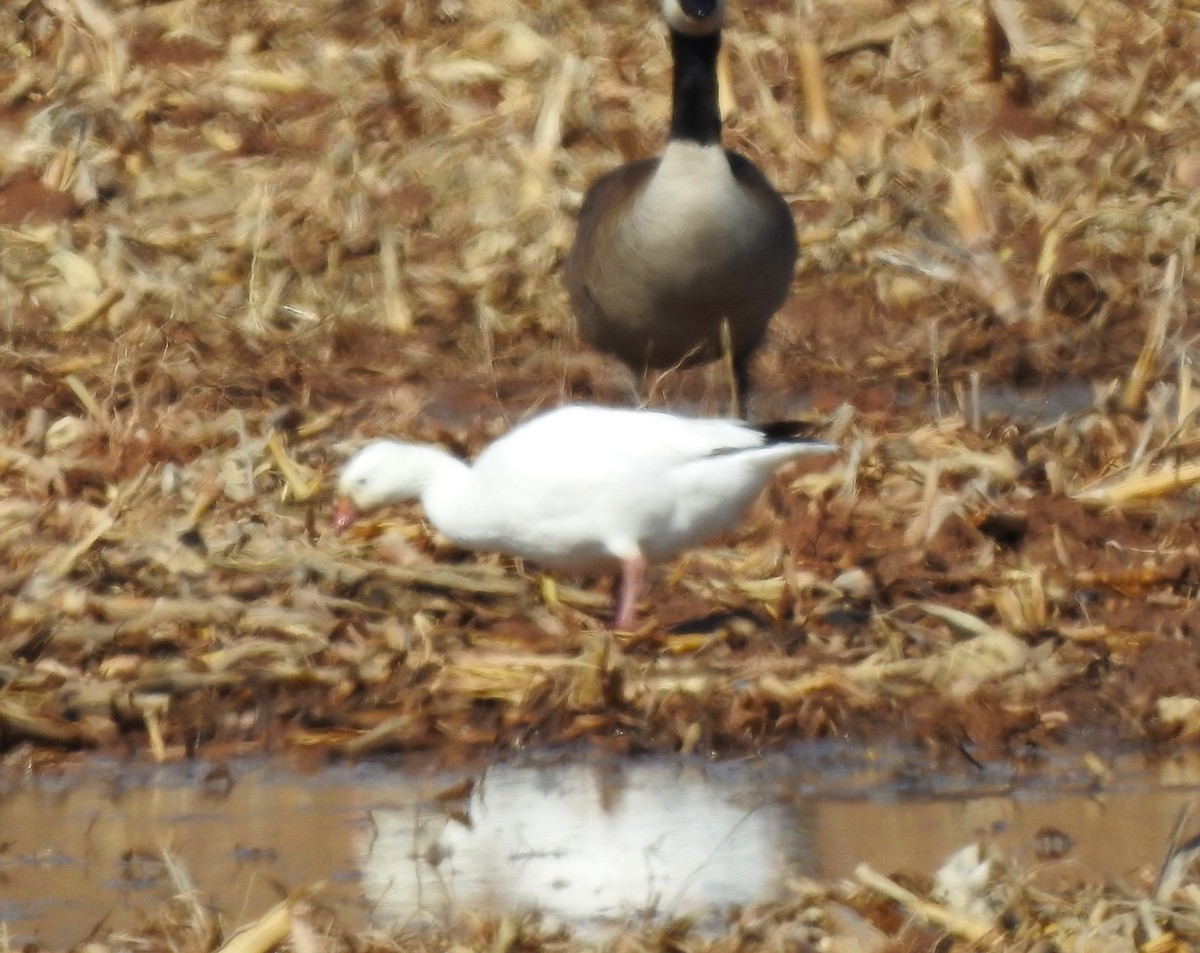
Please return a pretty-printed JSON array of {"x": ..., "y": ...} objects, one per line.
[
  {"x": 583, "y": 486},
  {"x": 613, "y": 440}
]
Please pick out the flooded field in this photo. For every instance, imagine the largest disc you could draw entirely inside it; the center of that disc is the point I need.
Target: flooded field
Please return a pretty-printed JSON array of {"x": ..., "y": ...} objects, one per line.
[
  {"x": 591, "y": 843},
  {"x": 238, "y": 241}
]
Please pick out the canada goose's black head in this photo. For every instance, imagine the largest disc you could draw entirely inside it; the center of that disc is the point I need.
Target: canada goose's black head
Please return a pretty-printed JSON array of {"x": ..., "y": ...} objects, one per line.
[{"x": 694, "y": 17}]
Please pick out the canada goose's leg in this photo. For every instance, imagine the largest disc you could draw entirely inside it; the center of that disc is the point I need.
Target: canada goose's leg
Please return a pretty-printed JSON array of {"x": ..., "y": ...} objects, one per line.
[
  {"x": 633, "y": 575},
  {"x": 740, "y": 406},
  {"x": 737, "y": 373}
]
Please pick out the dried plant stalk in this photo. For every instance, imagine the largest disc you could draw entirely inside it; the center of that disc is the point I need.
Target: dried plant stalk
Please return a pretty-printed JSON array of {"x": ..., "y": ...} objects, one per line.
[
  {"x": 264, "y": 934},
  {"x": 966, "y": 210},
  {"x": 302, "y": 485},
  {"x": 85, "y": 397},
  {"x": 996, "y": 45},
  {"x": 1139, "y": 489},
  {"x": 98, "y": 309},
  {"x": 17, "y": 722},
  {"x": 812, "y": 84},
  {"x": 547, "y": 134},
  {"x": 726, "y": 100},
  {"x": 397, "y": 313},
  {"x": 971, "y": 929},
  {"x": 64, "y": 566},
  {"x": 1134, "y": 393}
]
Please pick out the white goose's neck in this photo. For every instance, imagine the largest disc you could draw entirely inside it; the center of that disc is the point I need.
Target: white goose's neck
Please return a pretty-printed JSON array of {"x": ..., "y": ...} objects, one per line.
[
  {"x": 456, "y": 503},
  {"x": 459, "y": 505},
  {"x": 423, "y": 473}
]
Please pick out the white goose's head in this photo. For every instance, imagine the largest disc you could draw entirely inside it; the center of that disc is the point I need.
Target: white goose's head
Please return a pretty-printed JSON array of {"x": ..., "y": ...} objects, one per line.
[
  {"x": 694, "y": 17},
  {"x": 382, "y": 473}
]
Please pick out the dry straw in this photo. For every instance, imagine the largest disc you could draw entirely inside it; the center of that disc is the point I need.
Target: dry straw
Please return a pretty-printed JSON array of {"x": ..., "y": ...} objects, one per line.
[{"x": 238, "y": 240}]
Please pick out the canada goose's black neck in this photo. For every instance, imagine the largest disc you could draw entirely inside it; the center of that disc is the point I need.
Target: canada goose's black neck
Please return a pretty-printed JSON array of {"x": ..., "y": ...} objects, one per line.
[{"x": 695, "y": 116}]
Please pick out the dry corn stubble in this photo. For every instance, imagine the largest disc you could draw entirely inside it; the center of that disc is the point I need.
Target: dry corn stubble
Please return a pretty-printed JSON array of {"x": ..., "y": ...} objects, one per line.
[{"x": 236, "y": 239}]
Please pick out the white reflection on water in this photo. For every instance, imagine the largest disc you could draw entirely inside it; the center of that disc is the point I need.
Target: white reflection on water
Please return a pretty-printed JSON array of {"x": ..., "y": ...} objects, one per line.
[{"x": 586, "y": 843}]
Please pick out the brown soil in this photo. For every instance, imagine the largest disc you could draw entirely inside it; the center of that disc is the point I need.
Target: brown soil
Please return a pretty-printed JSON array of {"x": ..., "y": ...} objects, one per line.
[
  {"x": 237, "y": 240},
  {"x": 200, "y": 324}
]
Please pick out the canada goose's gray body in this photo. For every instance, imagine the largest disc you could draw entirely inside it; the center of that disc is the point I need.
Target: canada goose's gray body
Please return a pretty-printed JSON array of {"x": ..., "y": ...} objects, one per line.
[{"x": 670, "y": 248}]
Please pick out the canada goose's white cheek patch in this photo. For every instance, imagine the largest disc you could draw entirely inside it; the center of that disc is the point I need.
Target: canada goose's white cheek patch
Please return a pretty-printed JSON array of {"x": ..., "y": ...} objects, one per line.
[{"x": 680, "y": 22}]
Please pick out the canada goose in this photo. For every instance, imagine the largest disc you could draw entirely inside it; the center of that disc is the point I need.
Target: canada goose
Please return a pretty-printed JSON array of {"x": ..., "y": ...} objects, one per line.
[
  {"x": 671, "y": 248},
  {"x": 582, "y": 488}
]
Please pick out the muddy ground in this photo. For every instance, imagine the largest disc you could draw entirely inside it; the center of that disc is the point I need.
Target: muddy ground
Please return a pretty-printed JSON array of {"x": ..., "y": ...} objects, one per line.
[
  {"x": 239, "y": 241},
  {"x": 236, "y": 241}
]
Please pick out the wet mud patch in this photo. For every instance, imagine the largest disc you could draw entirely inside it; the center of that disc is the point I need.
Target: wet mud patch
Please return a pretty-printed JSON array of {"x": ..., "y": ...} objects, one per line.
[{"x": 417, "y": 842}]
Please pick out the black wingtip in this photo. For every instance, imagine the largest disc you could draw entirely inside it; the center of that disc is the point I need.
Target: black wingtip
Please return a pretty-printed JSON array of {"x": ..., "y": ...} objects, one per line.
[{"x": 788, "y": 431}]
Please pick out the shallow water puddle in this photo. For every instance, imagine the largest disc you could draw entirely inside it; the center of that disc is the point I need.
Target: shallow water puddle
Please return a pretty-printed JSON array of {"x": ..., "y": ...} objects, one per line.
[{"x": 588, "y": 842}]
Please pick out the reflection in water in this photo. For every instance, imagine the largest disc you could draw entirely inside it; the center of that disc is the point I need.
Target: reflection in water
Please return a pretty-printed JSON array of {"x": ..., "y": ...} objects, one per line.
[
  {"x": 585, "y": 842},
  {"x": 588, "y": 843}
]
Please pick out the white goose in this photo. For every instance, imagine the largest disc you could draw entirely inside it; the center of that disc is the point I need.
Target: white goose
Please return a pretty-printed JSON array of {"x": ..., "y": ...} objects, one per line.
[{"x": 582, "y": 488}]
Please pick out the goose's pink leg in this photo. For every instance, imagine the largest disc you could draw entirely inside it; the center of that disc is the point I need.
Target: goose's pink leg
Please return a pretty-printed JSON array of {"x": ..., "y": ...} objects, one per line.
[{"x": 633, "y": 574}]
